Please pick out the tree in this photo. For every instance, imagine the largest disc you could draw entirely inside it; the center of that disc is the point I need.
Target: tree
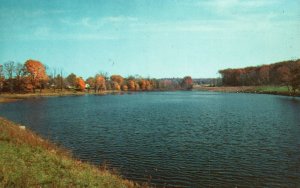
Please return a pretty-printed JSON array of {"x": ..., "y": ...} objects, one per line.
[
  {"x": 148, "y": 85},
  {"x": 117, "y": 78},
  {"x": 187, "y": 83},
  {"x": 58, "y": 82},
  {"x": 36, "y": 73},
  {"x": 295, "y": 77},
  {"x": 284, "y": 76},
  {"x": 136, "y": 86},
  {"x": 80, "y": 84},
  {"x": 116, "y": 86},
  {"x": 264, "y": 74},
  {"x": 143, "y": 85},
  {"x": 91, "y": 82},
  {"x": 71, "y": 80},
  {"x": 124, "y": 87},
  {"x": 19, "y": 71},
  {"x": 100, "y": 83},
  {"x": 131, "y": 85},
  {"x": 9, "y": 68}
]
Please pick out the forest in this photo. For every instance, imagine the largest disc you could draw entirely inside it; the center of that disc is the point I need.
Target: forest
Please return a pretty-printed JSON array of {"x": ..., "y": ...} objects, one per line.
[
  {"x": 33, "y": 75},
  {"x": 286, "y": 73}
]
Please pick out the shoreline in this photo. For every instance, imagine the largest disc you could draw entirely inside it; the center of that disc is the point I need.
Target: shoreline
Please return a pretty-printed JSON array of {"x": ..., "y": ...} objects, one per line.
[
  {"x": 13, "y": 97},
  {"x": 269, "y": 90},
  {"x": 29, "y": 160}
]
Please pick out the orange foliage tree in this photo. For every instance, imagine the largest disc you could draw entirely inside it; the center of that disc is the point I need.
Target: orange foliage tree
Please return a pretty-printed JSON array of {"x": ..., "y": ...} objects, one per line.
[
  {"x": 124, "y": 87},
  {"x": 131, "y": 85},
  {"x": 117, "y": 78},
  {"x": 80, "y": 84},
  {"x": 187, "y": 83},
  {"x": 116, "y": 86},
  {"x": 36, "y": 73},
  {"x": 117, "y": 81},
  {"x": 143, "y": 84},
  {"x": 136, "y": 86},
  {"x": 100, "y": 83}
]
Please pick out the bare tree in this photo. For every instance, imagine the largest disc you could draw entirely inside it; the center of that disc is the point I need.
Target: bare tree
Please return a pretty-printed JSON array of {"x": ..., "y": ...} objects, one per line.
[
  {"x": 9, "y": 68},
  {"x": 19, "y": 71}
]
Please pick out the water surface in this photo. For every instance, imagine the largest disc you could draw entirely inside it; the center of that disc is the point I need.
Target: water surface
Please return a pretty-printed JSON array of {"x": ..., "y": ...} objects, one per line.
[{"x": 184, "y": 139}]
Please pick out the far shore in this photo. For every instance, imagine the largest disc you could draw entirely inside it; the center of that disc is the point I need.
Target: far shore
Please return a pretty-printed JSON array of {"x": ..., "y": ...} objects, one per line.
[
  {"x": 12, "y": 97},
  {"x": 273, "y": 90}
]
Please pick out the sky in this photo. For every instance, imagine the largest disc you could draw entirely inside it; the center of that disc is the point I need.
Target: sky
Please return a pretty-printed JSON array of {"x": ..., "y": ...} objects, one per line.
[{"x": 153, "y": 38}]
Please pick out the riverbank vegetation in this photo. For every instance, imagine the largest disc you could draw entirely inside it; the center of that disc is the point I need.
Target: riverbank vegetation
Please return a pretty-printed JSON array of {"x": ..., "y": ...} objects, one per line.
[
  {"x": 27, "y": 160},
  {"x": 277, "y": 78},
  {"x": 270, "y": 77},
  {"x": 32, "y": 75},
  {"x": 274, "y": 90}
]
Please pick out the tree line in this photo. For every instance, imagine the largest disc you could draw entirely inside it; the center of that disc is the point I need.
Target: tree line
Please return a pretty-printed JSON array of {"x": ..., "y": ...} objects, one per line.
[
  {"x": 33, "y": 75},
  {"x": 286, "y": 73}
]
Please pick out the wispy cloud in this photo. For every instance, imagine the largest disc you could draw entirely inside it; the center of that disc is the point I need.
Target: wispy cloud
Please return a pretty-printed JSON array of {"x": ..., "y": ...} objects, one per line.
[
  {"x": 99, "y": 22},
  {"x": 19, "y": 12},
  {"x": 49, "y": 34},
  {"x": 225, "y": 5}
]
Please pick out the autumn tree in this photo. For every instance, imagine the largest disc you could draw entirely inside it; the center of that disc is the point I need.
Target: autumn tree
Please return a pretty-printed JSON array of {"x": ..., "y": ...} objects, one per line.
[
  {"x": 80, "y": 84},
  {"x": 116, "y": 86},
  {"x": 117, "y": 78},
  {"x": 142, "y": 84},
  {"x": 187, "y": 83},
  {"x": 284, "y": 76},
  {"x": 131, "y": 85},
  {"x": 148, "y": 85},
  {"x": 100, "y": 83},
  {"x": 167, "y": 84},
  {"x": 264, "y": 74},
  {"x": 281, "y": 73},
  {"x": 124, "y": 87},
  {"x": 117, "y": 81},
  {"x": 295, "y": 77},
  {"x": 36, "y": 73},
  {"x": 136, "y": 86},
  {"x": 154, "y": 83},
  {"x": 289, "y": 75},
  {"x": 91, "y": 82},
  {"x": 71, "y": 80}
]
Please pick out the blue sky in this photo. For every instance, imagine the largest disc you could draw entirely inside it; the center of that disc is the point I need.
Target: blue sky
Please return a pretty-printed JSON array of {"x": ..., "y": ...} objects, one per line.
[{"x": 155, "y": 38}]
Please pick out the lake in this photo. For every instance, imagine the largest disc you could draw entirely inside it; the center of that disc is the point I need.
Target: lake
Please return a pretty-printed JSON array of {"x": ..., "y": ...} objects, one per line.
[{"x": 183, "y": 139}]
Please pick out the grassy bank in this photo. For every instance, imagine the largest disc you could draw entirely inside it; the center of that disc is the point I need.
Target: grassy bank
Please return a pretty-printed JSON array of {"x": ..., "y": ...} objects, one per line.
[
  {"x": 274, "y": 90},
  {"x": 11, "y": 97},
  {"x": 27, "y": 160}
]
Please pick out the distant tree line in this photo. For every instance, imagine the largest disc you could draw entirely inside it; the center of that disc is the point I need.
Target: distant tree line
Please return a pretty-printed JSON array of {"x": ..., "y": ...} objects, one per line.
[
  {"x": 33, "y": 75},
  {"x": 282, "y": 73}
]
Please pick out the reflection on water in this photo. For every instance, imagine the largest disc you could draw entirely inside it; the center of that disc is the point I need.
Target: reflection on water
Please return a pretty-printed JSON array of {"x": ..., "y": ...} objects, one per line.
[{"x": 187, "y": 139}]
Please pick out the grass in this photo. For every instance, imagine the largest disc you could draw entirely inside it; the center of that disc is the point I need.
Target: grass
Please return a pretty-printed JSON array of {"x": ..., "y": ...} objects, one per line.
[
  {"x": 27, "y": 160},
  {"x": 276, "y": 90},
  {"x": 272, "y": 88},
  {"x": 11, "y": 97}
]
